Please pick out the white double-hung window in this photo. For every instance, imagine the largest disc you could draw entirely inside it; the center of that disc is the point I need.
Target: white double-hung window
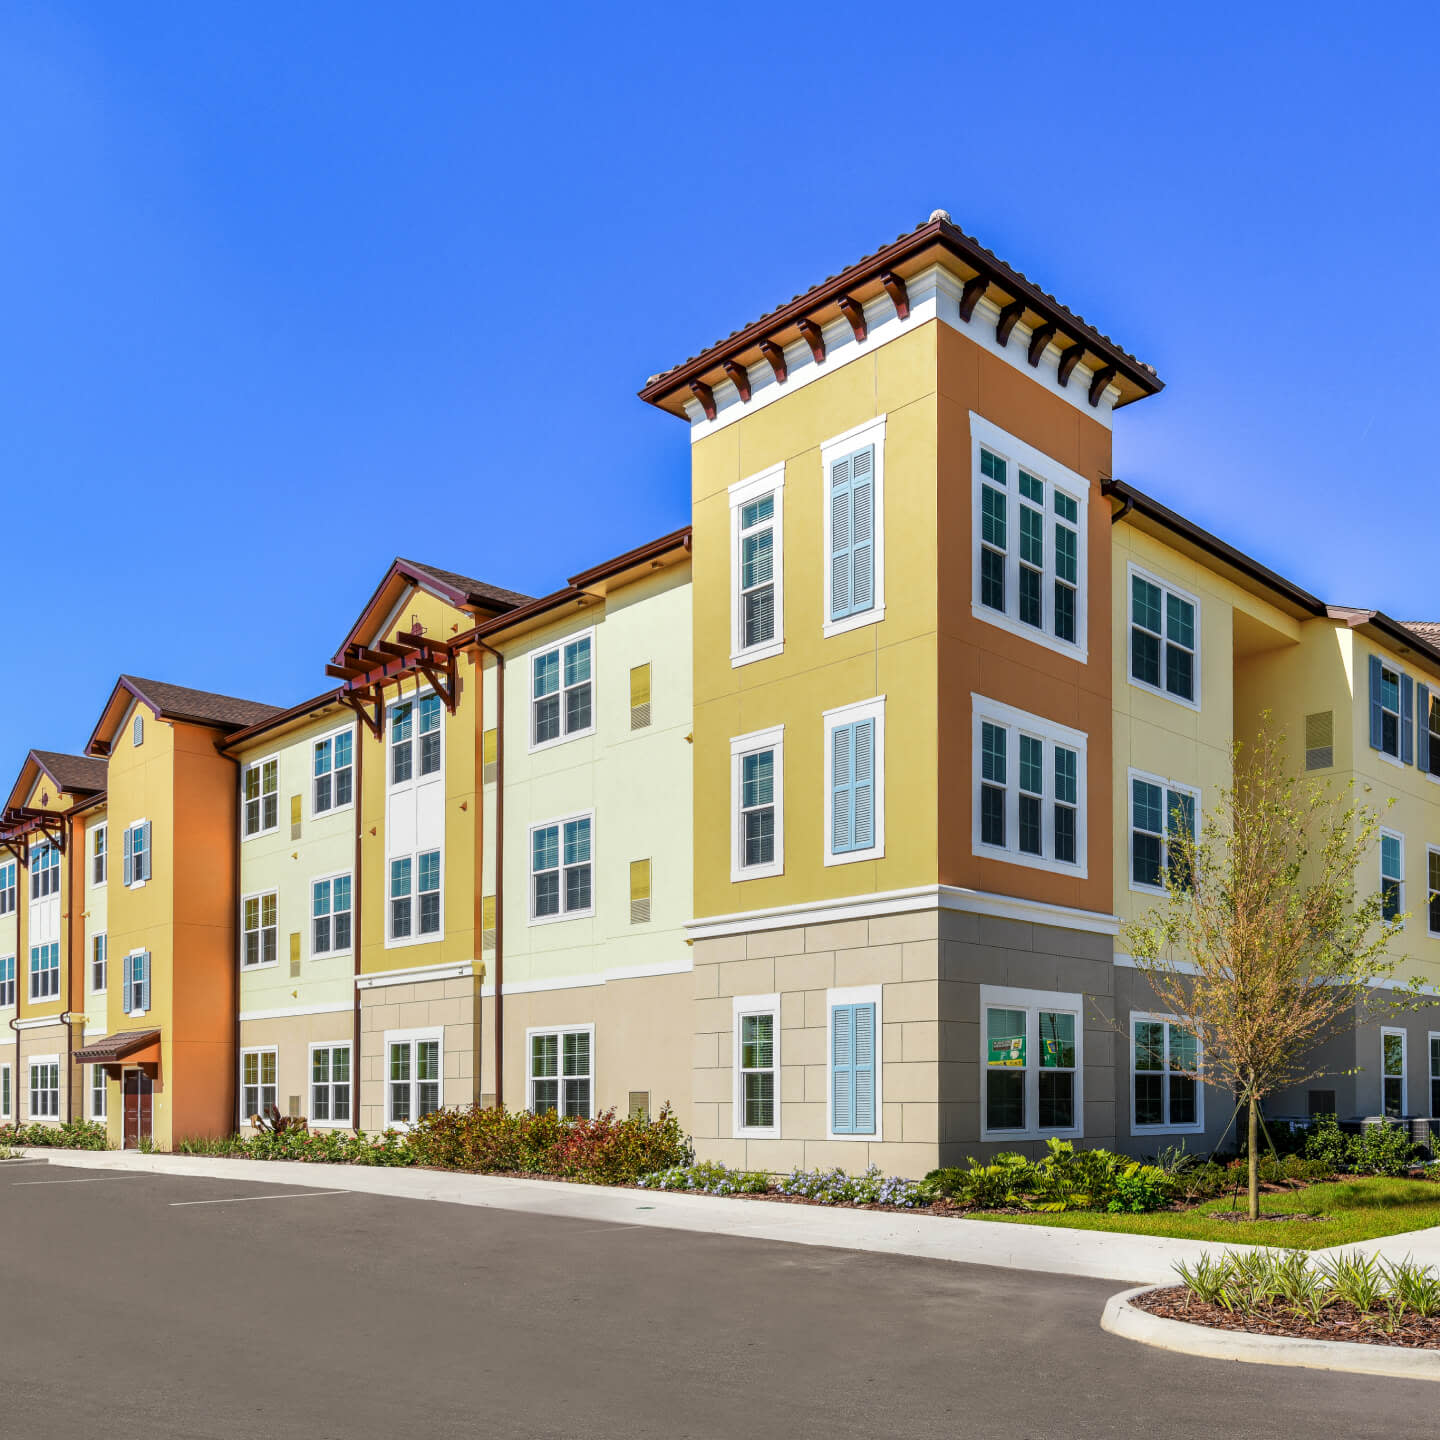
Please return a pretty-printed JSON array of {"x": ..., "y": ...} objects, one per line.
[
  {"x": 44, "y": 872},
  {"x": 260, "y": 930},
  {"x": 853, "y": 467},
  {"x": 416, "y": 740},
  {"x": 260, "y": 786},
  {"x": 1031, "y": 1062},
  {"x": 330, "y": 907},
  {"x": 1162, "y": 817},
  {"x": 45, "y": 1088},
  {"x": 45, "y": 971},
  {"x": 561, "y": 858},
  {"x": 1029, "y": 789},
  {"x": 1392, "y": 874},
  {"x": 757, "y": 1066},
  {"x": 257, "y": 1083},
  {"x": 412, "y": 1075},
  {"x": 7, "y": 888},
  {"x": 562, "y": 692},
  {"x": 330, "y": 1084},
  {"x": 1164, "y": 638},
  {"x": 562, "y": 1073},
  {"x": 414, "y": 908},
  {"x": 757, "y": 569},
  {"x": 333, "y": 762},
  {"x": 757, "y": 804},
  {"x": 1029, "y": 523},
  {"x": 1165, "y": 1076}
]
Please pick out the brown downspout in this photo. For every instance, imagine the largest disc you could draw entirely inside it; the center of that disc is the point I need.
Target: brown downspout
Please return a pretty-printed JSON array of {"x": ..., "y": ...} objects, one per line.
[
  {"x": 235, "y": 891},
  {"x": 357, "y": 911},
  {"x": 477, "y": 918},
  {"x": 77, "y": 921},
  {"x": 499, "y": 1046}
]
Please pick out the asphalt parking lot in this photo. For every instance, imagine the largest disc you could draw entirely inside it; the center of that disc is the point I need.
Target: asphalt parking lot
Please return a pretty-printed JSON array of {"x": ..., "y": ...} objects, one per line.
[{"x": 149, "y": 1306}]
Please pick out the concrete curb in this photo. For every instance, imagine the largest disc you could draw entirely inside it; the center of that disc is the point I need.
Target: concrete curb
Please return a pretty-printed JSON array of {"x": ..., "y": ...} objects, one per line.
[
  {"x": 1122, "y": 1318},
  {"x": 1049, "y": 1250}
]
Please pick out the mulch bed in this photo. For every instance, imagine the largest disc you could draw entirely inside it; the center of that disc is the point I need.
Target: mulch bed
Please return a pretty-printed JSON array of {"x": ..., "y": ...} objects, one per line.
[{"x": 1338, "y": 1321}]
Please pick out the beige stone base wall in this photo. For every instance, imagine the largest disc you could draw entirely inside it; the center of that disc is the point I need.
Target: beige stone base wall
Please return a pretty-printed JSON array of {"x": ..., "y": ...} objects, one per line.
[
  {"x": 291, "y": 1037},
  {"x": 45, "y": 1040},
  {"x": 930, "y": 967},
  {"x": 445, "y": 1005},
  {"x": 642, "y": 1042}
]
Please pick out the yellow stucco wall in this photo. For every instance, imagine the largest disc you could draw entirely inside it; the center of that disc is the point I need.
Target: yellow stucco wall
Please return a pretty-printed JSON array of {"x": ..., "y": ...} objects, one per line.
[{"x": 895, "y": 657}]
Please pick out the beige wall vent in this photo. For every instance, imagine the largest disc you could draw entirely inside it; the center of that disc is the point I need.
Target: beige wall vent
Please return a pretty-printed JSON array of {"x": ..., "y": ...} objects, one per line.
[
  {"x": 1320, "y": 740},
  {"x": 294, "y": 954},
  {"x": 640, "y": 697},
  {"x": 639, "y": 1105},
  {"x": 294, "y": 817},
  {"x": 294, "y": 1105},
  {"x": 639, "y": 892},
  {"x": 487, "y": 922},
  {"x": 491, "y": 756}
]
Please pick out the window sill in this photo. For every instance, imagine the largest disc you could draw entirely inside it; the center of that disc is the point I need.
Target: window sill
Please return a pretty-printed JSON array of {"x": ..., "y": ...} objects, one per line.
[
  {"x": 1030, "y": 862},
  {"x": 259, "y": 834},
  {"x": 330, "y": 954},
  {"x": 1077, "y": 1133},
  {"x": 585, "y": 734},
  {"x": 759, "y": 652},
  {"x": 756, "y": 872},
  {"x": 333, "y": 810},
  {"x": 872, "y": 616},
  {"x": 1149, "y": 689},
  {"x": 432, "y": 937},
  {"x": 1001, "y": 621},
  {"x": 259, "y": 965},
  {"x": 855, "y": 857},
  {"x": 770, "y": 1132},
  {"x": 1390, "y": 759},
  {"x": 137, "y": 884},
  {"x": 561, "y": 918},
  {"x": 1136, "y": 1131}
]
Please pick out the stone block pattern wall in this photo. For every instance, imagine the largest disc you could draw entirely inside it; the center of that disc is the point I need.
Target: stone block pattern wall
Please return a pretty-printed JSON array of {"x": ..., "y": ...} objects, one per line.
[{"x": 441, "y": 1004}]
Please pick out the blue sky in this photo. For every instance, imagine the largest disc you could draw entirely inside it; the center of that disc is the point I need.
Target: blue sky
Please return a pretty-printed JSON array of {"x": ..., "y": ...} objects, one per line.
[{"x": 289, "y": 291}]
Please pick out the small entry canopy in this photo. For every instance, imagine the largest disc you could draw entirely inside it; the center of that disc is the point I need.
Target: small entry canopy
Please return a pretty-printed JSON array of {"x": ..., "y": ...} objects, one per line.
[{"x": 135, "y": 1047}]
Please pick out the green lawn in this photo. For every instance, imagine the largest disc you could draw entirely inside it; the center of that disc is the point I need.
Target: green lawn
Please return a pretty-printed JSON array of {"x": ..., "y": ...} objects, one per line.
[{"x": 1357, "y": 1210}]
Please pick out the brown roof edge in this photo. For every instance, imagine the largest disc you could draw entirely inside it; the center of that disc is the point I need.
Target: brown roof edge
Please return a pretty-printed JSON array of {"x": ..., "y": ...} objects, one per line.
[
  {"x": 1403, "y": 637},
  {"x": 966, "y": 249},
  {"x": 240, "y": 737},
  {"x": 109, "y": 1048},
  {"x": 575, "y": 589},
  {"x": 1152, "y": 509}
]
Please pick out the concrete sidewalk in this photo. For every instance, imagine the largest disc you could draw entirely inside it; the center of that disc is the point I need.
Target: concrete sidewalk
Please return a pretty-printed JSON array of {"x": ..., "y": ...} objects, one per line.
[{"x": 1139, "y": 1259}]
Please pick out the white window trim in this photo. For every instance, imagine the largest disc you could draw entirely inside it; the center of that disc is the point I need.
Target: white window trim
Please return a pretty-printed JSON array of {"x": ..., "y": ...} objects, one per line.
[
  {"x": 753, "y": 1005},
  {"x": 1380, "y": 865},
  {"x": 740, "y": 746},
  {"x": 1429, "y": 930},
  {"x": 1053, "y": 733},
  {"x": 90, "y": 1094},
  {"x": 557, "y": 1030},
  {"x": 35, "y": 973},
  {"x": 354, "y": 745},
  {"x": 413, "y": 699},
  {"x": 1404, "y": 1076},
  {"x": 259, "y": 964},
  {"x": 559, "y": 821},
  {"x": 872, "y": 432},
  {"x": 409, "y": 1037},
  {"x": 1032, "y": 1002},
  {"x": 103, "y": 828},
  {"x": 140, "y": 824},
  {"x": 1053, "y": 473},
  {"x": 12, "y": 868},
  {"x": 394, "y": 942},
  {"x": 852, "y": 995},
  {"x": 128, "y": 984},
  {"x": 12, "y": 1004},
  {"x": 350, "y": 876},
  {"x": 1431, "y": 1072},
  {"x": 1132, "y": 776},
  {"x": 564, "y": 737},
  {"x": 1170, "y": 588},
  {"x": 259, "y": 764},
  {"x": 333, "y": 1124},
  {"x": 1137, "y": 1129},
  {"x": 1399, "y": 713},
  {"x": 243, "y": 1118},
  {"x": 741, "y": 494},
  {"x": 90, "y": 963},
  {"x": 31, "y": 1062},
  {"x": 845, "y": 715},
  {"x": 9, "y": 1074}
]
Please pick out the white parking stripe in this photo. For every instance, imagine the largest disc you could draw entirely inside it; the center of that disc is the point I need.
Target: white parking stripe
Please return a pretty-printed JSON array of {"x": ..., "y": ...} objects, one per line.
[
  {"x": 236, "y": 1199},
  {"x": 92, "y": 1180}
]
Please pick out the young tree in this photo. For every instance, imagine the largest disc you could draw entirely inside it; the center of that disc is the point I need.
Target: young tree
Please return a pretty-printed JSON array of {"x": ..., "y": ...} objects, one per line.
[{"x": 1264, "y": 947}]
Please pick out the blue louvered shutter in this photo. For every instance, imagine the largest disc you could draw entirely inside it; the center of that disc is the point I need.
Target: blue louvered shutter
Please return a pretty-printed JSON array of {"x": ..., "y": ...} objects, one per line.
[
  {"x": 1407, "y": 720},
  {"x": 1377, "y": 711},
  {"x": 862, "y": 828},
  {"x": 1422, "y": 728},
  {"x": 842, "y": 792},
  {"x": 864, "y": 1105},
  {"x": 143, "y": 964},
  {"x": 129, "y": 857},
  {"x": 129, "y": 973},
  {"x": 145, "y": 858},
  {"x": 852, "y": 534},
  {"x": 842, "y": 1070}
]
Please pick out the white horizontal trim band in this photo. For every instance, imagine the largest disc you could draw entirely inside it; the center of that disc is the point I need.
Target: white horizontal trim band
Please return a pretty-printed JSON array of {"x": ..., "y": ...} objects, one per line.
[
  {"x": 583, "y": 982},
  {"x": 378, "y": 979},
  {"x": 287, "y": 1011}
]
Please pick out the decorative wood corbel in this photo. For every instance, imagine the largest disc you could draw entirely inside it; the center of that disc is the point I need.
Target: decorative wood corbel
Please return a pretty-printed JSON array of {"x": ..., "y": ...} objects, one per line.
[
  {"x": 1040, "y": 337},
  {"x": 854, "y": 312},
  {"x": 775, "y": 354},
  {"x": 1099, "y": 381},
  {"x": 739, "y": 377},
  {"x": 705, "y": 395},
  {"x": 814, "y": 337},
  {"x": 899, "y": 295},
  {"x": 1069, "y": 359},
  {"x": 1009, "y": 318},
  {"x": 975, "y": 287}
]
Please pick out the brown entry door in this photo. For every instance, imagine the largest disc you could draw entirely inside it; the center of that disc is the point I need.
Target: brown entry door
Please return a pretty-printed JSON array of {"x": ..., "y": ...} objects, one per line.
[{"x": 137, "y": 1087}]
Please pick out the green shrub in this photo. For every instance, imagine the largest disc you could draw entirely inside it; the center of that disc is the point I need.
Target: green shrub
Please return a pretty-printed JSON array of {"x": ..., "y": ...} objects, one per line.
[
  {"x": 69, "y": 1135},
  {"x": 981, "y": 1186},
  {"x": 1292, "y": 1169},
  {"x": 335, "y": 1147},
  {"x": 1381, "y": 1150},
  {"x": 601, "y": 1151},
  {"x": 1138, "y": 1190},
  {"x": 1328, "y": 1144}
]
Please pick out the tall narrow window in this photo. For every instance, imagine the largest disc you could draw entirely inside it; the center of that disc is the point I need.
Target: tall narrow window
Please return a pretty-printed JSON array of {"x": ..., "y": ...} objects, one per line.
[
  {"x": 334, "y": 766},
  {"x": 137, "y": 853},
  {"x": 852, "y": 533},
  {"x": 401, "y": 876},
  {"x": 1430, "y": 723},
  {"x": 1392, "y": 713},
  {"x": 5, "y": 1091},
  {"x": 430, "y": 739},
  {"x": 330, "y": 1084},
  {"x": 561, "y": 1075},
  {"x": 7, "y": 981},
  {"x": 402, "y": 743},
  {"x": 262, "y": 797},
  {"x": 1392, "y": 874},
  {"x": 1163, "y": 640},
  {"x": 257, "y": 1083},
  {"x": 136, "y": 997},
  {"x": 99, "y": 857},
  {"x": 1162, "y": 818},
  {"x": 99, "y": 1099},
  {"x": 1433, "y": 863},
  {"x": 757, "y": 797},
  {"x": 1165, "y": 1070},
  {"x": 757, "y": 1069},
  {"x": 260, "y": 930},
  {"x": 7, "y": 888},
  {"x": 757, "y": 573},
  {"x": 1392, "y": 1065},
  {"x": 44, "y": 871},
  {"x": 1067, "y": 566},
  {"x": 562, "y": 704},
  {"x": 1435, "y": 1074},
  {"x": 994, "y": 531},
  {"x": 99, "y": 964},
  {"x": 429, "y": 891}
]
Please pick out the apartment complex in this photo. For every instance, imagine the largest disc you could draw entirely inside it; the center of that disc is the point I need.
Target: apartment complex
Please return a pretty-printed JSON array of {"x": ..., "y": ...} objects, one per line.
[{"x": 818, "y": 819}]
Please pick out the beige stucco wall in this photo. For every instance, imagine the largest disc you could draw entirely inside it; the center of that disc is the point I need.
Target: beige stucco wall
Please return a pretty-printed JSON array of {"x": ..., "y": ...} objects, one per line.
[{"x": 291, "y": 1038}]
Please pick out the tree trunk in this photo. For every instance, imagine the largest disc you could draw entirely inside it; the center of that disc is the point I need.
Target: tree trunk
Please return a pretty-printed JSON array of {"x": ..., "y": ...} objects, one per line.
[{"x": 1254, "y": 1159}]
